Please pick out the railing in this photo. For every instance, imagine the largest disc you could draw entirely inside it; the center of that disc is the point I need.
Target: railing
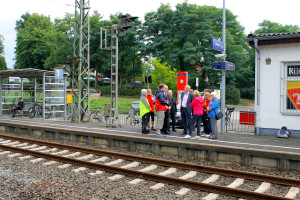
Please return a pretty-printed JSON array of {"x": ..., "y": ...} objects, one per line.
[{"x": 240, "y": 120}]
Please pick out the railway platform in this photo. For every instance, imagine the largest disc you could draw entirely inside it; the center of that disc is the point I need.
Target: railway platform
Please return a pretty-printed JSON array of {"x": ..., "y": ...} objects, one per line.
[{"x": 243, "y": 148}]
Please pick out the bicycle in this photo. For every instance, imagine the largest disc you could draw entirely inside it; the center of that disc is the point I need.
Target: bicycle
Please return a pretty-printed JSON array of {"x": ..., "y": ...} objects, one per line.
[
  {"x": 96, "y": 116},
  {"x": 37, "y": 110},
  {"x": 136, "y": 119},
  {"x": 228, "y": 113}
]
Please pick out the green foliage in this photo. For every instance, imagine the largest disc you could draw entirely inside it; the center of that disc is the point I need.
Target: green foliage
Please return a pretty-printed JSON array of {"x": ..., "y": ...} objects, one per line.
[
  {"x": 3, "y": 65},
  {"x": 35, "y": 41},
  {"x": 232, "y": 95},
  {"x": 127, "y": 91},
  {"x": 163, "y": 73},
  {"x": 268, "y": 26},
  {"x": 248, "y": 93},
  {"x": 182, "y": 38},
  {"x": 1, "y": 45}
]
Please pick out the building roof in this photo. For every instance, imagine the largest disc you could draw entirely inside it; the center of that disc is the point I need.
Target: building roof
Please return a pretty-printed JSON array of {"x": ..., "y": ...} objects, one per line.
[
  {"x": 273, "y": 38},
  {"x": 25, "y": 73}
]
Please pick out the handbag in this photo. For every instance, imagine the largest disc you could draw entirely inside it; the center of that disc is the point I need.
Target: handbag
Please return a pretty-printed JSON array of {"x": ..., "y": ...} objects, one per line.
[{"x": 219, "y": 115}]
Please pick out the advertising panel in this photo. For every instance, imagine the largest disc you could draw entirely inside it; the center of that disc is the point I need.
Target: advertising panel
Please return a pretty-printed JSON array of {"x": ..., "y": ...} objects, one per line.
[{"x": 293, "y": 95}]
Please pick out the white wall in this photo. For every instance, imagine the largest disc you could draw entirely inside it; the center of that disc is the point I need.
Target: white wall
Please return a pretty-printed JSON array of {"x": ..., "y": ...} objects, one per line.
[{"x": 269, "y": 109}]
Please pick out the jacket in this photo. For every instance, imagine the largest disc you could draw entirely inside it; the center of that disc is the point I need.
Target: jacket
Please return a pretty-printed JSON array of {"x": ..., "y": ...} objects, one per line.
[
  {"x": 197, "y": 105},
  {"x": 161, "y": 103},
  {"x": 173, "y": 105},
  {"x": 188, "y": 103},
  {"x": 144, "y": 105},
  {"x": 214, "y": 104},
  {"x": 150, "y": 100}
]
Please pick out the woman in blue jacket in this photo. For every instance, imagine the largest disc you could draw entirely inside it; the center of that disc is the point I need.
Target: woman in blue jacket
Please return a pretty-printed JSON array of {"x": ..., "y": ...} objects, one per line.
[{"x": 213, "y": 110}]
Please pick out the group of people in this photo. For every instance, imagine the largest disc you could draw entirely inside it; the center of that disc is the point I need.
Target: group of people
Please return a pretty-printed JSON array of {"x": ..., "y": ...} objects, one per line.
[
  {"x": 165, "y": 107},
  {"x": 193, "y": 109}
]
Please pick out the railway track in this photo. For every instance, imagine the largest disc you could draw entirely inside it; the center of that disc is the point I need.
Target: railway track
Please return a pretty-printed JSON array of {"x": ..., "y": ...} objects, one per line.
[{"x": 51, "y": 153}]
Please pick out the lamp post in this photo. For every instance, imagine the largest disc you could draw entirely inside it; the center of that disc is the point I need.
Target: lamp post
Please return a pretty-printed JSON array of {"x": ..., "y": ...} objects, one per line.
[{"x": 223, "y": 70}]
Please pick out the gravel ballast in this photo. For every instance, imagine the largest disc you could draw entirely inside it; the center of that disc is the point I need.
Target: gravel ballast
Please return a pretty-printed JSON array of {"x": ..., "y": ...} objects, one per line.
[{"x": 21, "y": 179}]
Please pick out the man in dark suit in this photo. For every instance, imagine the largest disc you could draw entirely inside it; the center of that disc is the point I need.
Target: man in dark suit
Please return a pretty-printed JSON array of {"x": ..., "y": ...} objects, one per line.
[{"x": 186, "y": 110}]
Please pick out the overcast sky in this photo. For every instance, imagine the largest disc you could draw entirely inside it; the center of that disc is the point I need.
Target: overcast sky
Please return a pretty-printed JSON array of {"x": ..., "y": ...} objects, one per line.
[{"x": 249, "y": 13}]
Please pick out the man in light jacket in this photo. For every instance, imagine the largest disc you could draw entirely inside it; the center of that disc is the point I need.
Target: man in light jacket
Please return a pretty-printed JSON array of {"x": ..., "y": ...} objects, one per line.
[{"x": 186, "y": 110}]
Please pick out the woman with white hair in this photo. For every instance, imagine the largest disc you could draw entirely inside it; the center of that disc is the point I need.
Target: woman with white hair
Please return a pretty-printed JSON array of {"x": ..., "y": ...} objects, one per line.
[
  {"x": 144, "y": 110},
  {"x": 213, "y": 110}
]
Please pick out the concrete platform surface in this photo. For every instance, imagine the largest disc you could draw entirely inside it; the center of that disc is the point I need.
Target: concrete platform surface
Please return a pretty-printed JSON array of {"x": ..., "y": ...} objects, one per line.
[{"x": 232, "y": 139}]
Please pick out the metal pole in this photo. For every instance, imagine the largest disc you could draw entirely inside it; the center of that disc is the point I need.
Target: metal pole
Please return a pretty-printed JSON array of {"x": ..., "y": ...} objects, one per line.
[
  {"x": 65, "y": 97},
  {"x": 223, "y": 71},
  {"x": 44, "y": 92}
]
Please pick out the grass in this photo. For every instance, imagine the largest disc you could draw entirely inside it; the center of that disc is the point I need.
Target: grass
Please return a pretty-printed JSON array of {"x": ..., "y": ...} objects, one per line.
[
  {"x": 124, "y": 104},
  {"x": 246, "y": 102}
]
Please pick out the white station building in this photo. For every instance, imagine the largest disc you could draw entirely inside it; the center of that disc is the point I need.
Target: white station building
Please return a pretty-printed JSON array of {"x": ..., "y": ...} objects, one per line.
[{"x": 277, "y": 82}]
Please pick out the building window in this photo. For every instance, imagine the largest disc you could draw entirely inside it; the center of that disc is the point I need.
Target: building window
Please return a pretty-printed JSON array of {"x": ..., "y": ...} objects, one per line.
[{"x": 290, "y": 88}]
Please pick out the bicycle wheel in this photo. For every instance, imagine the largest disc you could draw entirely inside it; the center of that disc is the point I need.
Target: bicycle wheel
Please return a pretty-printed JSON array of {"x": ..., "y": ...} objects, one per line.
[
  {"x": 31, "y": 112},
  {"x": 128, "y": 120},
  {"x": 95, "y": 116}
]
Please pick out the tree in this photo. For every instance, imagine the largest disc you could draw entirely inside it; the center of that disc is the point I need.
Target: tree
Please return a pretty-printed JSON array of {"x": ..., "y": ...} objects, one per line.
[
  {"x": 163, "y": 73},
  {"x": 182, "y": 38},
  {"x": 3, "y": 65},
  {"x": 62, "y": 53},
  {"x": 268, "y": 26},
  {"x": 36, "y": 40}
]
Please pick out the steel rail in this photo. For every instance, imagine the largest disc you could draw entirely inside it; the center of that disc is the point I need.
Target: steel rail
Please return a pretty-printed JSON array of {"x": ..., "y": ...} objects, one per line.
[
  {"x": 187, "y": 166},
  {"x": 149, "y": 176}
]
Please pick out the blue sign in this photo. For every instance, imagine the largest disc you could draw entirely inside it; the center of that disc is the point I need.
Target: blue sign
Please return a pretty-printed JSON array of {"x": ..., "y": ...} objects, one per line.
[
  {"x": 59, "y": 74},
  {"x": 215, "y": 65},
  {"x": 217, "y": 45},
  {"x": 227, "y": 65},
  {"x": 223, "y": 65}
]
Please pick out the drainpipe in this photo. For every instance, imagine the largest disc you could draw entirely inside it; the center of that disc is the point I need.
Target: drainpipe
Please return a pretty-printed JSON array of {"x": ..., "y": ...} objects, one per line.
[{"x": 257, "y": 86}]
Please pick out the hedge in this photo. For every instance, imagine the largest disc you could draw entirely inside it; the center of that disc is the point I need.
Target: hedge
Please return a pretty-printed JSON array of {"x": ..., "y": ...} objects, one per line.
[{"x": 232, "y": 95}]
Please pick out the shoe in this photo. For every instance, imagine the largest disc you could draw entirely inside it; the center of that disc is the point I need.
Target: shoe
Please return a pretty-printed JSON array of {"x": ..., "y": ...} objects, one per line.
[
  {"x": 167, "y": 133},
  {"x": 187, "y": 136},
  {"x": 196, "y": 137},
  {"x": 183, "y": 133},
  {"x": 145, "y": 132},
  {"x": 203, "y": 135},
  {"x": 207, "y": 135},
  {"x": 13, "y": 116},
  {"x": 159, "y": 134},
  {"x": 173, "y": 130},
  {"x": 211, "y": 137},
  {"x": 202, "y": 131},
  {"x": 153, "y": 129}
]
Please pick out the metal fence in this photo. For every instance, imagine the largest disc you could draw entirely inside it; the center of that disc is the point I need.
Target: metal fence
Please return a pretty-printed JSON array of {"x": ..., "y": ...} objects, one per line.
[{"x": 239, "y": 120}]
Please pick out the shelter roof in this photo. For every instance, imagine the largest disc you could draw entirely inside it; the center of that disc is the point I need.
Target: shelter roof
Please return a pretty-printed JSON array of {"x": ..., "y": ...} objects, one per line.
[
  {"x": 25, "y": 73},
  {"x": 273, "y": 38}
]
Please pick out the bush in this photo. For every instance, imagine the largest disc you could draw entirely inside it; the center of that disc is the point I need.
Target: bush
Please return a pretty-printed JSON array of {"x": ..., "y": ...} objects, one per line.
[
  {"x": 248, "y": 93},
  {"x": 128, "y": 91},
  {"x": 232, "y": 95}
]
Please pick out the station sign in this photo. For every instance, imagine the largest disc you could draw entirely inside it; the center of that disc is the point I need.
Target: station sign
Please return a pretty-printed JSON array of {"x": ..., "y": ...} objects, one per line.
[
  {"x": 217, "y": 45},
  {"x": 223, "y": 65}
]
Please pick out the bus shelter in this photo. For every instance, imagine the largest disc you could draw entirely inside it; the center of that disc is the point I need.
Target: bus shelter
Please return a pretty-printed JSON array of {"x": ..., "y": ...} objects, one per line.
[{"x": 42, "y": 87}]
